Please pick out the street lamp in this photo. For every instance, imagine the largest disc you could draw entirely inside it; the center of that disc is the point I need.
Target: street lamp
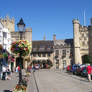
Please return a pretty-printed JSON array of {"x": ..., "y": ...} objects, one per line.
[{"x": 21, "y": 27}]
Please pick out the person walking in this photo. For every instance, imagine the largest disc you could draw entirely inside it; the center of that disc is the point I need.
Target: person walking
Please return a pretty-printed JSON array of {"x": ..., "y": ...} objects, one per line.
[
  {"x": 4, "y": 73},
  {"x": 89, "y": 72}
]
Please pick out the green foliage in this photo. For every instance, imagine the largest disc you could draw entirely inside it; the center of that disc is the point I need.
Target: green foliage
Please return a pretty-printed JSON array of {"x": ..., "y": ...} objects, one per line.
[
  {"x": 86, "y": 59},
  {"x": 5, "y": 55}
]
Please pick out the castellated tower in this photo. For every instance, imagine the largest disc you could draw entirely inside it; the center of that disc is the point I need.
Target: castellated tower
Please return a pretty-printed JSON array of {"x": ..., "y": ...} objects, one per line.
[
  {"x": 8, "y": 23},
  {"x": 90, "y": 40},
  {"x": 77, "y": 55}
]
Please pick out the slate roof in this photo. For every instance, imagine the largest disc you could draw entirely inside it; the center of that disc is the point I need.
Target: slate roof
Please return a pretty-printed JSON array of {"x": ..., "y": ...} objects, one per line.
[{"x": 42, "y": 46}]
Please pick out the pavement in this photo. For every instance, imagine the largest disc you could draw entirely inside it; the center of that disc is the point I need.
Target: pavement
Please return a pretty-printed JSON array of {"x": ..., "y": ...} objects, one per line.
[
  {"x": 49, "y": 81},
  {"x": 59, "y": 81},
  {"x": 9, "y": 85},
  {"x": 32, "y": 86}
]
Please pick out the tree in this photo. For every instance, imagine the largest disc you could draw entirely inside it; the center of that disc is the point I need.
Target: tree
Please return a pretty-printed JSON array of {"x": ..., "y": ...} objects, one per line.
[{"x": 86, "y": 59}]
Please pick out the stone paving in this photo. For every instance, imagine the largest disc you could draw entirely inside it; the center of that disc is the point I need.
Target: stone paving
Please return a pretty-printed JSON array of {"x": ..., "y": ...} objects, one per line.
[
  {"x": 50, "y": 81},
  {"x": 59, "y": 81},
  {"x": 31, "y": 84},
  {"x": 9, "y": 84}
]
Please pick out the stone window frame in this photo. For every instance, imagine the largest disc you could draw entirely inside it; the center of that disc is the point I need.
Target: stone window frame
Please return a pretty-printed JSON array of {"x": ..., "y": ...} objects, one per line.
[
  {"x": 64, "y": 52},
  {"x": 56, "y": 52}
]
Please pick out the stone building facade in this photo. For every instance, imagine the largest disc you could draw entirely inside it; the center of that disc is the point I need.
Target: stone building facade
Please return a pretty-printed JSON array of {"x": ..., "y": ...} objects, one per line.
[
  {"x": 8, "y": 23},
  {"x": 5, "y": 38},
  {"x": 42, "y": 52},
  {"x": 26, "y": 35},
  {"x": 80, "y": 36},
  {"x": 63, "y": 53},
  {"x": 90, "y": 39}
]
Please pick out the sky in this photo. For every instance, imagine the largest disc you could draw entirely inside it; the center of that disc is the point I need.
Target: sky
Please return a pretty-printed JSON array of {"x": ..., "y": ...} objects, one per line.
[{"x": 48, "y": 17}]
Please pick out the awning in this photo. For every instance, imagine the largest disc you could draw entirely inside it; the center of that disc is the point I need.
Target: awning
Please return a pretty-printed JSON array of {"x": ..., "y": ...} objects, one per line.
[{"x": 40, "y": 58}]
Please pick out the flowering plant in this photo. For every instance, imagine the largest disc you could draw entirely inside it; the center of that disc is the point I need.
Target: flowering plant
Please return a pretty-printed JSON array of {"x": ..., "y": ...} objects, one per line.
[
  {"x": 22, "y": 46},
  {"x": 20, "y": 88}
]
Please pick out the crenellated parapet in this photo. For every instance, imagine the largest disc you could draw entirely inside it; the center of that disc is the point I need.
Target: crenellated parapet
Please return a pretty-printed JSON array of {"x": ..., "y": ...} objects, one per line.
[{"x": 8, "y": 23}]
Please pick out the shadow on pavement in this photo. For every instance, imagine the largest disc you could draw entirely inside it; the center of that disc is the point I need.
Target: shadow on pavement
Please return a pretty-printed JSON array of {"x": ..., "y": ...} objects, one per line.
[{"x": 7, "y": 91}]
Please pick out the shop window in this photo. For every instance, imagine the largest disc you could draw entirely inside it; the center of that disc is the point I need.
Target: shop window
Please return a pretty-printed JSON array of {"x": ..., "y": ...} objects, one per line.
[
  {"x": 39, "y": 55},
  {"x": 34, "y": 55}
]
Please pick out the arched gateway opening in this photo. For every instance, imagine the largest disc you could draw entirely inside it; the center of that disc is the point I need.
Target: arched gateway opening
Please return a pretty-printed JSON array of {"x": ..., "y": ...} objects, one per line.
[{"x": 85, "y": 59}]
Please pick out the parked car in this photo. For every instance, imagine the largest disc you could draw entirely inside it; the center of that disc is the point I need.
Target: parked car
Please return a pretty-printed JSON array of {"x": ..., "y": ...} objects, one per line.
[
  {"x": 37, "y": 66},
  {"x": 84, "y": 72},
  {"x": 74, "y": 68},
  {"x": 79, "y": 69}
]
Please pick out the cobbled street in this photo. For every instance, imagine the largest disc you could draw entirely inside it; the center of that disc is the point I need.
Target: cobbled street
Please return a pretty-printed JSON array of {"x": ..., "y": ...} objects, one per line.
[{"x": 58, "y": 81}]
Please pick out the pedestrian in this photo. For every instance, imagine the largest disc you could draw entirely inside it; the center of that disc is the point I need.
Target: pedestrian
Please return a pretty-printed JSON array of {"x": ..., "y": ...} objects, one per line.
[
  {"x": 8, "y": 74},
  {"x": 4, "y": 73},
  {"x": 18, "y": 68},
  {"x": 89, "y": 72}
]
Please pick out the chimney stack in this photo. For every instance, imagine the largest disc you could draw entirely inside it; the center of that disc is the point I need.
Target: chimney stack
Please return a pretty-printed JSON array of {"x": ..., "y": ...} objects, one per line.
[{"x": 54, "y": 37}]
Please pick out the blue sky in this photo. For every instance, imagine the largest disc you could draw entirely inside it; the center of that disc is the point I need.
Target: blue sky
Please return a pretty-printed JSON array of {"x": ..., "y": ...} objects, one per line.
[{"x": 47, "y": 16}]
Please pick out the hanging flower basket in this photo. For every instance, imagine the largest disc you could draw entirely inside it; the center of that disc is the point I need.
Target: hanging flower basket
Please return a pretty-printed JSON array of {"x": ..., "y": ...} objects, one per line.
[{"x": 21, "y": 46}]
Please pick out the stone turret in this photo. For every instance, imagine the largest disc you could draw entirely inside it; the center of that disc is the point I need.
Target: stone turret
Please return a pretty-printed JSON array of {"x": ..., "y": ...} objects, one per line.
[
  {"x": 77, "y": 56},
  {"x": 8, "y": 23},
  {"x": 90, "y": 39}
]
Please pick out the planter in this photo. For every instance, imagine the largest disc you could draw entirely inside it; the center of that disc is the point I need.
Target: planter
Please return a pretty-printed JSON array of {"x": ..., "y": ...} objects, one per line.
[
  {"x": 20, "y": 88},
  {"x": 19, "y": 91}
]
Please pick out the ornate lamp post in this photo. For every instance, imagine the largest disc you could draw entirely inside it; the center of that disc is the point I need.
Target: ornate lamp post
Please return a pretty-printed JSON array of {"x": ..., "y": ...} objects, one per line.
[{"x": 21, "y": 27}]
